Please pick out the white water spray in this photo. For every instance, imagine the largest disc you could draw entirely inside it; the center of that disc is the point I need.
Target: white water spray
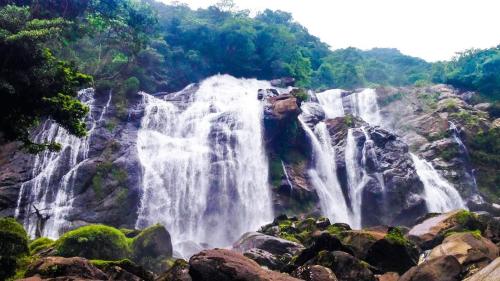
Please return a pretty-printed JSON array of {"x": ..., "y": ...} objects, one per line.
[
  {"x": 324, "y": 173},
  {"x": 205, "y": 170},
  {"x": 51, "y": 188},
  {"x": 440, "y": 196}
]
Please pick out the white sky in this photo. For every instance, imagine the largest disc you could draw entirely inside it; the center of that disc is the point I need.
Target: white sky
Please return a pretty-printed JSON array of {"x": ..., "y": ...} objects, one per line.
[{"x": 430, "y": 29}]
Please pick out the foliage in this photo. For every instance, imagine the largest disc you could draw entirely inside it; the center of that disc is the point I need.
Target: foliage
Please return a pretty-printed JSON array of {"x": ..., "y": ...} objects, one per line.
[
  {"x": 13, "y": 246},
  {"x": 33, "y": 83},
  {"x": 94, "y": 242},
  {"x": 476, "y": 70},
  {"x": 40, "y": 244}
]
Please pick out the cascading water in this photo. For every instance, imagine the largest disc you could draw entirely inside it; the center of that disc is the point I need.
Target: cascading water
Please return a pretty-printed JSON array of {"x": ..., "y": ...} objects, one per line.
[
  {"x": 356, "y": 179},
  {"x": 324, "y": 173},
  {"x": 440, "y": 196},
  {"x": 205, "y": 170},
  {"x": 50, "y": 190},
  {"x": 465, "y": 153},
  {"x": 331, "y": 102},
  {"x": 365, "y": 105}
]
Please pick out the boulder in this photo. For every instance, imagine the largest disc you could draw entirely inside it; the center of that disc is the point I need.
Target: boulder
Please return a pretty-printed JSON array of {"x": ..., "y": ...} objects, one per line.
[
  {"x": 151, "y": 247},
  {"x": 345, "y": 266},
  {"x": 430, "y": 232},
  {"x": 361, "y": 240},
  {"x": 265, "y": 258},
  {"x": 445, "y": 268},
  {"x": 322, "y": 242},
  {"x": 226, "y": 265},
  {"x": 283, "y": 106},
  {"x": 393, "y": 253},
  {"x": 314, "y": 273},
  {"x": 467, "y": 248},
  {"x": 53, "y": 267},
  {"x": 271, "y": 244},
  {"x": 178, "y": 272},
  {"x": 489, "y": 273}
]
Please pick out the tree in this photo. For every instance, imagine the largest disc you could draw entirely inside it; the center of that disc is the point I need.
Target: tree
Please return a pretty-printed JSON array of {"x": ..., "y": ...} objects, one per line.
[{"x": 33, "y": 83}]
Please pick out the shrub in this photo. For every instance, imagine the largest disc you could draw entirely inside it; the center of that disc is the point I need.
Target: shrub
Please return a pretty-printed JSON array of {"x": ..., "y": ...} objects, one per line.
[
  {"x": 94, "y": 242},
  {"x": 131, "y": 86},
  {"x": 40, "y": 244}
]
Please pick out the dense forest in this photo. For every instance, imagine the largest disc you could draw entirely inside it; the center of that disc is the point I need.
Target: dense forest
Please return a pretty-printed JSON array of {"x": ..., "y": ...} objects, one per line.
[{"x": 55, "y": 47}]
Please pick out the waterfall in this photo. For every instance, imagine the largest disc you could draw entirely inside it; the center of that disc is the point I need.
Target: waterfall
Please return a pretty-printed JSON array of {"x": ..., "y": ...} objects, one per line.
[
  {"x": 286, "y": 175},
  {"x": 331, "y": 101},
  {"x": 440, "y": 196},
  {"x": 324, "y": 173},
  {"x": 365, "y": 105},
  {"x": 470, "y": 171},
  {"x": 53, "y": 174},
  {"x": 205, "y": 171},
  {"x": 356, "y": 179}
]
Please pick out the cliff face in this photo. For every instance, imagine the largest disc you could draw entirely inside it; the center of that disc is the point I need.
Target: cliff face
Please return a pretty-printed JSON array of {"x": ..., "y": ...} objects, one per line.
[{"x": 105, "y": 184}]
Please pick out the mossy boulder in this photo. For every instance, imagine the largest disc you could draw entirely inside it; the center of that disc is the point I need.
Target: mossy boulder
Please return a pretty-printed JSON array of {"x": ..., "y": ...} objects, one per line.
[
  {"x": 431, "y": 231},
  {"x": 94, "y": 242},
  {"x": 40, "y": 244},
  {"x": 393, "y": 253},
  {"x": 152, "y": 248},
  {"x": 13, "y": 246},
  {"x": 345, "y": 266}
]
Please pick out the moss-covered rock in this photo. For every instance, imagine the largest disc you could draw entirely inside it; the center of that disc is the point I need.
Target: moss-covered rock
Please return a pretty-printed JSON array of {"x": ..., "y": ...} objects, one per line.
[
  {"x": 40, "y": 244},
  {"x": 13, "y": 246},
  {"x": 94, "y": 242},
  {"x": 152, "y": 248}
]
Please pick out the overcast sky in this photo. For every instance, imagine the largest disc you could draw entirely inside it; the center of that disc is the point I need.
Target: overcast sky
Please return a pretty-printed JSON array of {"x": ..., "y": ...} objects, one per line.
[{"x": 430, "y": 29}]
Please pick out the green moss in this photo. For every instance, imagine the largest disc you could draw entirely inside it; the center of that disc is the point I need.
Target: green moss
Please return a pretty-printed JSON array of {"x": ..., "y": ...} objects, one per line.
[
  {"x": 450, "y": 106},
  {"x": 429, "y": 99},
  {"x": 476, "y": 233},
  {"x": 151, "y": 248},
  {"x": 40, "y": 244},
  {"x": 308, "y": 224},
  {"x": 94, "y": 242},
  {"x": 289, "y": 237},
  {"x": 13, "y": 247},
  {"x": 334, "y": 230},
  {"x": 104, "y": 264},
  {"x": 349, "y": 120},
  {"x": 13, "y": 238},
  {"x": 466, "y": 118},
  {"x": 21, "y": 267},
  {"x": 463, "y": 217},
  {"x": 396, "y": 236}
]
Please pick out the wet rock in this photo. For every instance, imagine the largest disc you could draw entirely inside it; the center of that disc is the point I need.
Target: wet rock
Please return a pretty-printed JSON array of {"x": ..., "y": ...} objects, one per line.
[
  {"x": 314, "y": 273},
  {"x": 322, "y": 242},
  {"x": 445, "y": 268},
  {"x": 430, "y": 232},
  {"x": 361, "y": 241},
  {"x": 393, "y": 253},
  {"x": 282, "y": 107},
  {"x": 266, "y": 259},
  {"x": 53, "y": 267},
  {"x": 178, "y": 272},
  {"x": 345, "y": 266},
  {"x": 226, "y": 265},
  {"x": 151, "y": 247},
  {"x": 467, "y": 248},
  {"x": 489, "y": 273},
  {"x": 271, "y": 244},
  {"x": 312, "y": 113}
]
